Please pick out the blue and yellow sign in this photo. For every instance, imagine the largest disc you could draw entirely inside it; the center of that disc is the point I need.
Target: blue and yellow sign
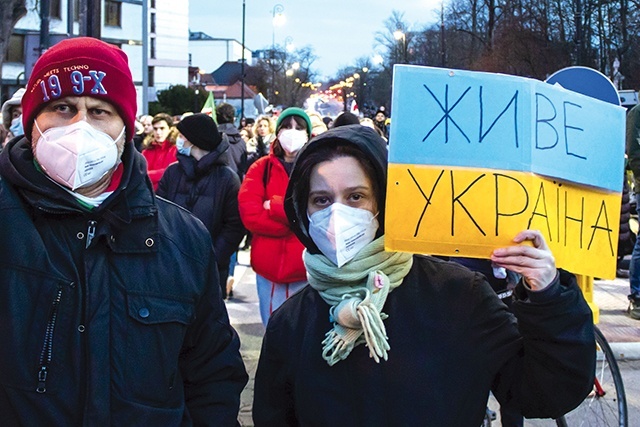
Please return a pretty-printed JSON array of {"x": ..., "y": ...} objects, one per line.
[{"x": 474, "y": 158}]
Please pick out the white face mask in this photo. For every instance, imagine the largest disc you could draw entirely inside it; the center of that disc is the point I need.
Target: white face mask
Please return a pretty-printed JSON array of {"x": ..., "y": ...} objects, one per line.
[
  {"x": 292, "y": 140},
  {"x": 76, "y": 155},
  {"x": 340, "y": 231}
]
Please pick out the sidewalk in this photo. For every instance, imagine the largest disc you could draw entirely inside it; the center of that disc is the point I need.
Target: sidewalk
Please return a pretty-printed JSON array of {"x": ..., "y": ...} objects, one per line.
[
  {"x": 622, "y": 332},
  {"x": 245, "y": 318}
]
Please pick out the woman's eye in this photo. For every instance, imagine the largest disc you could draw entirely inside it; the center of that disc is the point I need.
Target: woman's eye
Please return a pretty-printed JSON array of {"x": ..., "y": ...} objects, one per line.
[
  {"x": 320, "y": 201},
  {"x": 356, "y": 197}
]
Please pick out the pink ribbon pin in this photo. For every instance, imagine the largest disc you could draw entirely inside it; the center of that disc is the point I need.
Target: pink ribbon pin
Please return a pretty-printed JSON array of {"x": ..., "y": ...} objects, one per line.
[{"x": 378, "y": 283}]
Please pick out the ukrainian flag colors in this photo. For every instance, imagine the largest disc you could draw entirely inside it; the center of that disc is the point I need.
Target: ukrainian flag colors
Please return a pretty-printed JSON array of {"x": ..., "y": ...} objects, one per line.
[{"x": 474, "y": 158}]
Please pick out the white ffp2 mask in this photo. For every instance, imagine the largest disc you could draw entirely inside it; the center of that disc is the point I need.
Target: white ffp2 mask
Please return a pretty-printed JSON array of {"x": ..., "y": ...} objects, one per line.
[
  {"x": 292, "y": 140},
  {"x": 76, "y": 155},
  {"x": 340, "y": 231}
]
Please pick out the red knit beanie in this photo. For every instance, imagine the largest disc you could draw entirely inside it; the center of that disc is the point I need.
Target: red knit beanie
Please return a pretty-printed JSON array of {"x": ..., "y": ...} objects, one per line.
[{"x": 81, "y": 66}]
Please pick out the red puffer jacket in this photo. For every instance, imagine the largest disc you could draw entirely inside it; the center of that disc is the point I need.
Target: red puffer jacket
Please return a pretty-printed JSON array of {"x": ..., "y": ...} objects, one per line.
[
  {"x": 276, "y": 253},
  {"x": 159, "y": 156}
]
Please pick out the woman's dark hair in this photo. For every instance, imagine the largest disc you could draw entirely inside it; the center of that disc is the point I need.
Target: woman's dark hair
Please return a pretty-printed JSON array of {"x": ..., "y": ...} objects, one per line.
[
  {"x": 277, "y": 148},
  {"x": 331, "y": 150}
]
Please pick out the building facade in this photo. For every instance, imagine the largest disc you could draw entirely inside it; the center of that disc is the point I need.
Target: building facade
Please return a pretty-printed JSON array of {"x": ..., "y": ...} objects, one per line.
[
  {"x": 208, "y": 53},
  {"x": 118, "y": 22}
]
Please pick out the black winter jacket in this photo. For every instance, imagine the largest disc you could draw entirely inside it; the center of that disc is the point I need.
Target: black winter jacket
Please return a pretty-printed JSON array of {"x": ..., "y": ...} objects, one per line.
[
  {"x": 451, "y": 339},
  {"x": 112, "y": 315},
  {"x": 208, "y": 189},
  {"x": 237, "y": 149}
]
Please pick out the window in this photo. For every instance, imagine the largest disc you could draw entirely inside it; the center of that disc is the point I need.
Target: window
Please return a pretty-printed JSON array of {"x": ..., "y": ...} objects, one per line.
[
  {"x": 76, "y": 10},
  {"x": 153, "y": 22},
  {"x": 55, "y": 9},
  {"x": 151, "y": 77},
  {"x": 15, "y": 50},
  {"x": 152, "y": 47},
  {"x": 112, "y": 13}
]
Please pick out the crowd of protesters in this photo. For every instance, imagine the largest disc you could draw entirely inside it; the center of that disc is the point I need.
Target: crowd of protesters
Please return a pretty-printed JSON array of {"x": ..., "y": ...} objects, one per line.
[{"x": 123, "y": 235}]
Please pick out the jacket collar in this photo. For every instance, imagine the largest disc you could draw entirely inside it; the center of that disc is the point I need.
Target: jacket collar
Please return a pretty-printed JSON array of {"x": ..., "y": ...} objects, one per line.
[
  {"x": 133, "y": 200},
  {"x": 195, "y": 168}
]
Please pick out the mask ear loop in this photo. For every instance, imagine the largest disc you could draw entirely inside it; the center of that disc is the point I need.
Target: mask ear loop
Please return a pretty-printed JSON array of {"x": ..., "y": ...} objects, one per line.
[
  {"x": 124, "y": 128},
  {"x": 35, "y": 122}
]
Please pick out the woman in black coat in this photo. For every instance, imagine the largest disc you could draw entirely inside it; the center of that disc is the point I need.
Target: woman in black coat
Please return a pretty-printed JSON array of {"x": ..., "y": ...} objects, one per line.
[
  {"x": 202, "y": 183},
  {"x": 387, "y": 338}
]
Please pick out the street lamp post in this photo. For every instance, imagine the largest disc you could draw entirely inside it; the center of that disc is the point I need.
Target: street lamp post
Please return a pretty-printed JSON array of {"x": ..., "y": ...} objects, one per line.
[
  {"x": 277, "y": 20},
  {"x": 363, "y": 89},
  {"x": 242, "y": 64},
  {"x": 288, "y": 74},
  {"x": 400, "y": 35},
  {"x": 288, "y": 44}
]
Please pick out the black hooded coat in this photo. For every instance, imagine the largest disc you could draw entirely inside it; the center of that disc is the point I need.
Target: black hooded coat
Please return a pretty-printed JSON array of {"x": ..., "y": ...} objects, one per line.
[
  {"x": 208, "y": 188},
  {"x": 452, "y": 341}
]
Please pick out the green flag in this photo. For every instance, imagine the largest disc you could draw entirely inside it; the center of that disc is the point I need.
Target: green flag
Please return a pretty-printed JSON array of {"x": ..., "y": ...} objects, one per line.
[{"x": 209, "y": 107}]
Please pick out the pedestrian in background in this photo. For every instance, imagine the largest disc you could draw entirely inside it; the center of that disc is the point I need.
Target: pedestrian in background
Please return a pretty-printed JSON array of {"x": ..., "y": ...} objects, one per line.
[
  {"x": 226, "y": 115},
  {"x": 110, "y": 310},
  {"x": 12, "y": 116},
  {"x": 390, "y": 338},
  {"x": 633, "y": 153},
  {"x": 202, "y": 183},
  {"x": 246, "y": 122},
  {"x": 160, "y": 147},
  {"x": 246, "y": 133},
  {"x": 380, "y": 120},
  {"x": 328, "y": 122},
  {"x": 317, "y": 125},
  {"x": 145, "y": 131},
  {"x": 276, "y": 253},
  {"x": 263, "y": 136},
  {"x": 346, "y": 118}
]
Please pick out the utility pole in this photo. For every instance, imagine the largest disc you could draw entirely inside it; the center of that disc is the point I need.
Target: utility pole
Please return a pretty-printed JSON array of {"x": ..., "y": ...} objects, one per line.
[
  {"x": 145, "y": 57},
  {"x": 45, "y": 11},
  {"x": 442, "y": 40},
  {"x": 579, "y": 37},
  {"x": 90, "y": 18}
]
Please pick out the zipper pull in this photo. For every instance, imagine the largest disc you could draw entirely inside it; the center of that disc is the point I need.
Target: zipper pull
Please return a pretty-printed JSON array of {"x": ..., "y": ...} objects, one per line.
[
  {"x": 42, "y": 379},
  {"x": 91, "y": 232}
]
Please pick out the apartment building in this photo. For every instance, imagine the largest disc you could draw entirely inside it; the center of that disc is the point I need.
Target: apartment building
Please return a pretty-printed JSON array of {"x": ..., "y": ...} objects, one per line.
[{"x": 118, "y": 22}]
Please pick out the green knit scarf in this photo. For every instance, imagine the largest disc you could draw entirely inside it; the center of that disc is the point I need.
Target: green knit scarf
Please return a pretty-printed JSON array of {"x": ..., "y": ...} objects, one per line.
[{"x": 356, "y": 293}]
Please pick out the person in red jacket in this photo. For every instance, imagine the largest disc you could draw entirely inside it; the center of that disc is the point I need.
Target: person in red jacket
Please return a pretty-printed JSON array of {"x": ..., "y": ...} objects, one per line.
[
  {"x": 160, "y": 149},
  {"x": 276, "y": 253}
]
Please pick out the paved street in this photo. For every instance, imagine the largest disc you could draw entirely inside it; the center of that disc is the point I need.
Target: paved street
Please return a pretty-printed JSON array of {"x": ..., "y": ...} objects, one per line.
[{"x": 622, "y": 332}]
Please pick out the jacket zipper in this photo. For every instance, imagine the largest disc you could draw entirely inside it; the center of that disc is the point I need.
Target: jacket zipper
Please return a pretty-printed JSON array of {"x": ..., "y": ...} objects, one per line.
[
  {"x": 91, "y": 233},
  {"x": 47, "y": 349}
]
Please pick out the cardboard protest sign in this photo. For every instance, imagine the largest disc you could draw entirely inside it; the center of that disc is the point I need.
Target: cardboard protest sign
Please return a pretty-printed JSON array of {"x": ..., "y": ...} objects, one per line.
[{"x": 474, "y": 158}]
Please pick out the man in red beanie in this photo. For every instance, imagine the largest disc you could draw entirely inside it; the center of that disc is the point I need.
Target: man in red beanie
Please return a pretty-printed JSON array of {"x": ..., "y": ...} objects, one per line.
[{"x": 110, "y": 308}]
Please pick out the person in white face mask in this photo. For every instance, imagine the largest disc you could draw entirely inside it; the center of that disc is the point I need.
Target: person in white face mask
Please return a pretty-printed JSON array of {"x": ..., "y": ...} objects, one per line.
[
  {"x": 376, "y": 330},
  {"x": 276, "y": 253},
  {"x": 109, "y": 295}
]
